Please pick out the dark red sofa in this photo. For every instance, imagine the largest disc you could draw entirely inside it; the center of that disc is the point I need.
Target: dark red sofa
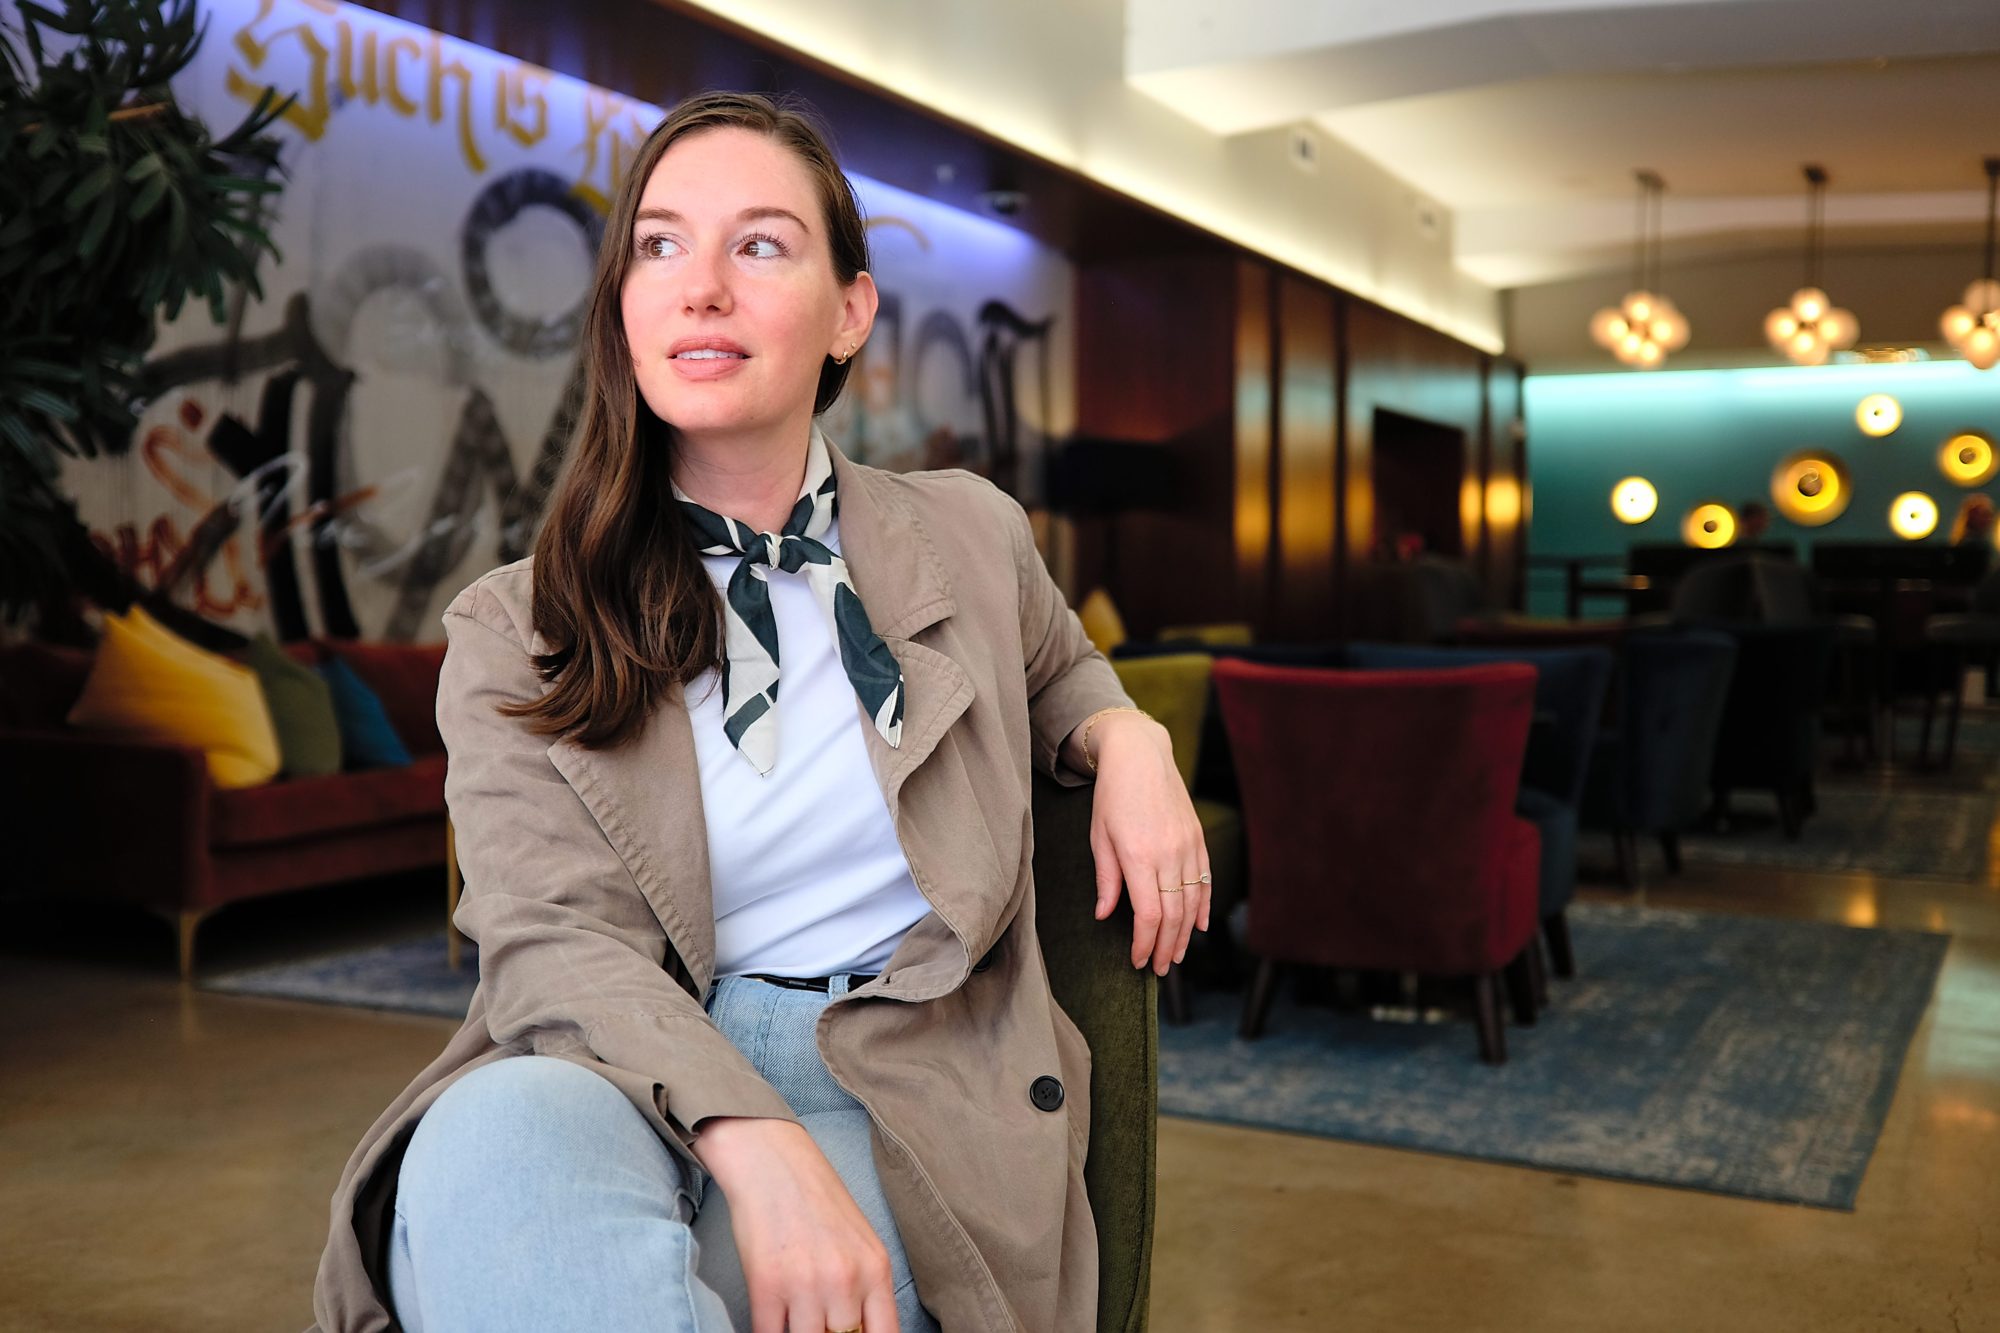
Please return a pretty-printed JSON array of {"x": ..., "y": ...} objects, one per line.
[{"x": 93, "y": 816}]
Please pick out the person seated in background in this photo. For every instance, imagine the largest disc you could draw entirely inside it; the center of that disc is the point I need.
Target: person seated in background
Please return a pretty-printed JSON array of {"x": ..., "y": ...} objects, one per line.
[
  {"x": 1753, "y": 521},
  {"x": 1973, "y": 525}
]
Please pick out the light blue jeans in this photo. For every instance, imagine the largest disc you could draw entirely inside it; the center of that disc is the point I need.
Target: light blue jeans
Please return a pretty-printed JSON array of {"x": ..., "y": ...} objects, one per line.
[{"x": 535, "y": 1198}]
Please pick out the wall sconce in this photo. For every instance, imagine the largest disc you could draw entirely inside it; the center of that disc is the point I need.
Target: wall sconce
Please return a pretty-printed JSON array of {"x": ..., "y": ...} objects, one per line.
[
  {"x": 1913, "y": 515},
  {"x": 1811, "y": 488},
  {"x": 1633, "y": 500},
  {"x": 1710, "y": 526},
  {"x": 1878, "y": 415},
  {"x": 1967, "y": 459}
]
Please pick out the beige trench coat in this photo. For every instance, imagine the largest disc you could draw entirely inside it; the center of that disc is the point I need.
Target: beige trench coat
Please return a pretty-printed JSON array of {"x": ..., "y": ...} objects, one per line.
[{"x": 587, "y": 889}]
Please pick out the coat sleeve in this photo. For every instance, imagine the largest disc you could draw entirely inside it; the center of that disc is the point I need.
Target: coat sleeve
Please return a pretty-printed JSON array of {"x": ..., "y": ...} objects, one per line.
[
  {"x": 1068, "y": 679},
  {"x": 570, "y": 951}
]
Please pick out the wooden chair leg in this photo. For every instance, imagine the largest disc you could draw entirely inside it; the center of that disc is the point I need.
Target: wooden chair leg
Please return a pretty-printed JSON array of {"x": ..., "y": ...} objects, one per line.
[
  {"x": 1556, "y": 928},
  {"x": 1959, "y": 664},
  {"x": 1670, "y": 847},
  {"x": 1492, "y": 1033},
  {"x": 1174, "y": 987},
  {"x": 1257, "y": 1003},
  {"x": 1625, "y": 844},
  {"x": 1538, "y": 972},
  {"x": 1791, "y": 813},
  {"x": 1521, "y": 987},
  {"x": 454, "y": 885},
  {"x": 1924, "y": 735},
  {"x": 186, "y": 923}
]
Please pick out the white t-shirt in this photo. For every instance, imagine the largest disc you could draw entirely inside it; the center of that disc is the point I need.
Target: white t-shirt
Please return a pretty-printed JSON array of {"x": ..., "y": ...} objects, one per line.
[{"x": 808, "y": 876}]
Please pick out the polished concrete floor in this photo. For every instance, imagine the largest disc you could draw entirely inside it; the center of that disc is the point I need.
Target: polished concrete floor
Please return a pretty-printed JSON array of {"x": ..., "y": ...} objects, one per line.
[{"x": 166, "y": 1157}]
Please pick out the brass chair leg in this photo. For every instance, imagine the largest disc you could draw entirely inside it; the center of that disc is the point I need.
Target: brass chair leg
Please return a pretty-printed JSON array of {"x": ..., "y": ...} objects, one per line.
[{"x": 453, "y": 884}]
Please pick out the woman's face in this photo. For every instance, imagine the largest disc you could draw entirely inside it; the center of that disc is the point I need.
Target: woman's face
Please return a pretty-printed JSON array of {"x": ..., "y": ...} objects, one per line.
[{"x": 731, "y": 303}]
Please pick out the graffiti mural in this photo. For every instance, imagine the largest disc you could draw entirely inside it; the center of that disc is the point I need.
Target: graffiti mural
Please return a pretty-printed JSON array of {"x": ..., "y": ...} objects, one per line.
[{"x": 388, "y": 421}]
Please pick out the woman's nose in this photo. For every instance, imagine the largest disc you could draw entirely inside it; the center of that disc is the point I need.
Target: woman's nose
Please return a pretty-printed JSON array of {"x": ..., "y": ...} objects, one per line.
[{"x": 705, "y": 283}]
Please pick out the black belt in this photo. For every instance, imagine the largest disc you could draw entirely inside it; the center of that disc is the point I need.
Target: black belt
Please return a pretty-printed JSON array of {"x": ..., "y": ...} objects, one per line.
[{"x": 855, "y": 980}]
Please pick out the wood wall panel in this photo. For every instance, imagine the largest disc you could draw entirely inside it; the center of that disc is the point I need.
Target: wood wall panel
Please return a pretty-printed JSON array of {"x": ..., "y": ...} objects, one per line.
[
  {"x": 1307, "y": 460},
  {"x": 1396, "y": 364},
  {"x": 1508, "y": 502},
  {"x": 1256, "y": 528},
  {"x": 1156, "y": 365}
]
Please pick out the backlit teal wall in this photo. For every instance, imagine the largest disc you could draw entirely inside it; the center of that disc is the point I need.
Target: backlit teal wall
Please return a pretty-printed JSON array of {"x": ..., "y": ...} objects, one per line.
[{"x": 1717, "y": 434}]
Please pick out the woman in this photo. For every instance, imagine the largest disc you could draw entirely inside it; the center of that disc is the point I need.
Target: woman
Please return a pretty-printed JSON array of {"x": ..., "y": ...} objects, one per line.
[
  {"x": 1973, "y": 524},
  {"x": 713, "y": 953}
]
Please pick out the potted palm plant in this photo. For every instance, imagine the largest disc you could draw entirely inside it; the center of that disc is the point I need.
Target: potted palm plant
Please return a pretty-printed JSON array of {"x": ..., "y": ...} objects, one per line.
[{"x": 116, "y": 207}]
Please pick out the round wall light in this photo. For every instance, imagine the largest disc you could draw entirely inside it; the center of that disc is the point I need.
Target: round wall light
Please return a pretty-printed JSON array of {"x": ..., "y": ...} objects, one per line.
[
  {"x": 1968, "y": 460},
  {"x": 1633, "y": 500},
  {"x": 1913, "y": 515},
  {"x": 1878, "y": 415},
  {"x": 1709, "y": 526},
  {"x": 1811, "y": 487}
]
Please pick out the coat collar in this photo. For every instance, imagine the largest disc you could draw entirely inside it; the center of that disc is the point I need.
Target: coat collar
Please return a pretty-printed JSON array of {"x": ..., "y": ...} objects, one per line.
[{"x": 646, "y": 793}]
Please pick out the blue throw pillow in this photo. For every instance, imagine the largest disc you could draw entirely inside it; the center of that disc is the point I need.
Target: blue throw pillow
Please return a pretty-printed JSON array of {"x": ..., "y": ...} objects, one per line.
[{"x": 367, "y": 739}]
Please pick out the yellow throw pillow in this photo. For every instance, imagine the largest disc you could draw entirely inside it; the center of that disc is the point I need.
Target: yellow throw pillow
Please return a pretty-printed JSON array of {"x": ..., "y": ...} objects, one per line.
[
  {"x": 1101, "y": 621},
  {"x": 149, "y": 683}
]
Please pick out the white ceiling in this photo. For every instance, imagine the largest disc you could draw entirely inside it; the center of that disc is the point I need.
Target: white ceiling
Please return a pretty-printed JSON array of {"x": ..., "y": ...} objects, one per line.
[{"x": 1527, "y": 118}]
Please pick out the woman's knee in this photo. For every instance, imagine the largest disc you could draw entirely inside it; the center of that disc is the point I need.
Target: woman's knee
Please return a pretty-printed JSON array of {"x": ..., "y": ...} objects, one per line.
[{"x": 501, "y": 1125}]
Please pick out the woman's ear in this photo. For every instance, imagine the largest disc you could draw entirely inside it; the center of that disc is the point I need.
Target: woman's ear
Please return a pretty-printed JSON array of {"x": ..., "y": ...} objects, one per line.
[{"x": 858, "y": 303}]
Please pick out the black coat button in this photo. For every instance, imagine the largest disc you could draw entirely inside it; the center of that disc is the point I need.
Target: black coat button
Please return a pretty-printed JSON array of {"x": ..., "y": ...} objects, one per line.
[
  {"x": 1046, "y": 1093},
  {"x": 986, "y": 959}
]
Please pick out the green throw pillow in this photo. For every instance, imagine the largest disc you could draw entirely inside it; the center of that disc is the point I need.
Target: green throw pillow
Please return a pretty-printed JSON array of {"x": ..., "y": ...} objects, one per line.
[{"x": 301, "y": 710}]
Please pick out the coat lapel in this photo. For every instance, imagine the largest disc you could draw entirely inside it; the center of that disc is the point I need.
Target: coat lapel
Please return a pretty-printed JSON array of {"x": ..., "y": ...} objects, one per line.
[
  {"x": 646, "y": 794},
  {"x": 903, "y": 586},
  {"x": 646, "y": 797}
]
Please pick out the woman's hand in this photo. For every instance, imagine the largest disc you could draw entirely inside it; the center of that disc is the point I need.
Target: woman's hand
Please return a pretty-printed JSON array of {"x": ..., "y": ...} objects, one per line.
[
  {"x": 1144, "y": 831},
  {"x": 810, "y": 1257}
]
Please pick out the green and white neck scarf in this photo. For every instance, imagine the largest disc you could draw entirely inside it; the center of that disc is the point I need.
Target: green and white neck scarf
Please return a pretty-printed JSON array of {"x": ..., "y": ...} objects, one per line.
[{"x": 750, "y": 671}]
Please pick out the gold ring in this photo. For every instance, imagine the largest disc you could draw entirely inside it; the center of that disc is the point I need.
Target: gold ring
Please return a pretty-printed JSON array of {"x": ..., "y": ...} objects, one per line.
[
  {"x": 855, "y": 1329},
  {"x": 1164, "y": 889}
]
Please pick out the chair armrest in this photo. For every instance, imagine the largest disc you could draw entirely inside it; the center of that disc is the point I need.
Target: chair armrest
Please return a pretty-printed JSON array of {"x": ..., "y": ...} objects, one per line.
[
  {"x": 1115, "y": 1006},
  {"x": 112, "y": 816}
]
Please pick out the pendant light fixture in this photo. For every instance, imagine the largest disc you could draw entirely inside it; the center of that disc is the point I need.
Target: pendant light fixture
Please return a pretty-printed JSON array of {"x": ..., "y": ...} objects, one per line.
[
  {"x": 1973, "y": 328},
  {"x": 1645, "y": 326},
  {"x": 1811, "y": 327}
]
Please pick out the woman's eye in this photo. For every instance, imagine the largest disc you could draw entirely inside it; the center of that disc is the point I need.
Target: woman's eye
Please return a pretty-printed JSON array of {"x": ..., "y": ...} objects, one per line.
[
  {"x": 656, "y": 246},
  {"x": 764, "y": 247}
]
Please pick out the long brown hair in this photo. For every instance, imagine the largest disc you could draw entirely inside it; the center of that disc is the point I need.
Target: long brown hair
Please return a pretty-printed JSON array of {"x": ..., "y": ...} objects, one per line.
[{"x": 620, "y": 594}]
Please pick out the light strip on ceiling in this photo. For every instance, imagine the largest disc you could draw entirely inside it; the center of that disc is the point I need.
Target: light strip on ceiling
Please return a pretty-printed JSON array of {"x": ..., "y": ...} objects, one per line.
[{"x": 843, "y": 46}]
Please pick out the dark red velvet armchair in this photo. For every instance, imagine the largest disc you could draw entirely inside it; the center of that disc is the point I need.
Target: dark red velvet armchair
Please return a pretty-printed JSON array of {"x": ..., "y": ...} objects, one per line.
[
  {"x": 1380, "y": 812},
  {"x": 96, "y": 816}
]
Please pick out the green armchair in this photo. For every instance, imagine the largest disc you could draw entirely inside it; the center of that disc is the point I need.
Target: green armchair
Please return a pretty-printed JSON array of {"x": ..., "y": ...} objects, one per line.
[
  {"x": 1174, "y": 688},
  {"x": 1115, "y": 1005}
]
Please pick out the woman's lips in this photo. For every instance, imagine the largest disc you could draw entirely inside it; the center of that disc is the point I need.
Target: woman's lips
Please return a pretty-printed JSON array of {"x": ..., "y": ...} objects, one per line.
[{"x": 706, "y": 365}]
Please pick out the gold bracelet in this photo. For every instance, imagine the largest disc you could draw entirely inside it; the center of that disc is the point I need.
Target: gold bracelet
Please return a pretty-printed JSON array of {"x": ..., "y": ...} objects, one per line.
[{"x": 1091, "y": 721}]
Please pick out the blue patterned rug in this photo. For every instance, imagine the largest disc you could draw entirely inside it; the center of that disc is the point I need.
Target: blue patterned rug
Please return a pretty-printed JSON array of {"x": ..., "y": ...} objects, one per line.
[
  {"x": 1903, "y": 830},
  {"x": 1738, "y": 1055},
  {"x": 409, "y": 976},
  {"x": 1731, "y": 1054}
]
